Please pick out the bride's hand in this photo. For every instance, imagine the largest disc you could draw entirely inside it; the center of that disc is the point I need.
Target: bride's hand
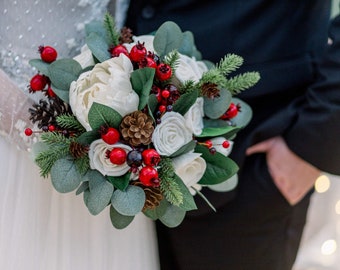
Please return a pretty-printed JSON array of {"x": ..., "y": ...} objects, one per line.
[{"x": 293, "y": 176}]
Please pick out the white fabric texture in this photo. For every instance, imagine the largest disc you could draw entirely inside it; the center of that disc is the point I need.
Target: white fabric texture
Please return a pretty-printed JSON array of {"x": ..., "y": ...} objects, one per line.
[{"x": 39, "y": 228}]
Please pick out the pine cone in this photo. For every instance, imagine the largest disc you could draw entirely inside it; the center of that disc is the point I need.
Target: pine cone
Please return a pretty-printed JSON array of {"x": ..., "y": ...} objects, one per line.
[
  {"x": 78, "y": 150},
  {"x": 153, "y": 196},
  {"x": 137, "y": 128},
  {"x": 210, "y": 90},
  {"x": 46, "y": 111},
  {"x": 125, "y": 35}
]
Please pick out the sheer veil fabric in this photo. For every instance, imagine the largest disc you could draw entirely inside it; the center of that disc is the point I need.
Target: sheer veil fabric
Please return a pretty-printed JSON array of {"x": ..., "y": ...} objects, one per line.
[{"x": 40, "y": 228}]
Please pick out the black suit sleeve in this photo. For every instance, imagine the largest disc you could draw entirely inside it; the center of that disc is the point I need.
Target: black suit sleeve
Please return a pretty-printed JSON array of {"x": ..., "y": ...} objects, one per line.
[{"x": 315, "y": 135}]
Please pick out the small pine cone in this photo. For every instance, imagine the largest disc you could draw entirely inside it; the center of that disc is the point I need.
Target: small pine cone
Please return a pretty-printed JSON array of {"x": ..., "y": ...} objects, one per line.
[
  {"x": 210, "y": 90},
  {"x": 137, "y": 128},
  {"x": 78, "y": 150},
  {"x": 46, "y": 111},
  {"x": 153, "y": 196},
  {"x": 125, "y": 35}
]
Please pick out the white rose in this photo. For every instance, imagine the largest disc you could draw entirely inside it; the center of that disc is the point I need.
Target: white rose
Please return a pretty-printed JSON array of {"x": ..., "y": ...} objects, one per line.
[
  {"x": 100, "y": 162},
  {"x": 194, "y": 117},
  {"x": 190, "y": 167},
  {"x": 189, "y": 69},
  {"x": 85, "y": 58},
  {"x": 147, "y": 39},
  {"x": 217, "y": 144},
  {"x": 171, "y": 134},
  {"x": 108, "y": 83}
]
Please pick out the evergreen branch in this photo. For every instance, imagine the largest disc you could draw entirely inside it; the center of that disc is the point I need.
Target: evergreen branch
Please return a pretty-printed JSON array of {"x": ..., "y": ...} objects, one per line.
[
  {"x": 55, "y": 139},
  {"x": 110, "y": 26},
  {"x": 172, "y": 59},
  {"x": 188, "y": 87},
  {"x": 242, "y": 82},
  {"x": 229, "y": 63},
  {"x": 69, "y": 121},
  {"x": 214, "y": 76},
  {"x": 169, "y": 188}
]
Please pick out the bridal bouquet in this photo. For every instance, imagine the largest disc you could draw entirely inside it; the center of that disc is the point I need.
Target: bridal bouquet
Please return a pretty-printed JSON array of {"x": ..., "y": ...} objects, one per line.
[{"x": 137, "y": 123}]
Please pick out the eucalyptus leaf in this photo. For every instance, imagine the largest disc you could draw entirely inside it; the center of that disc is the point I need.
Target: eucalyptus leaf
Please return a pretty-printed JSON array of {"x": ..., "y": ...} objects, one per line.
[
  {"x": 184, "y": 103},
  {"x": 102, "y": 115},
  {"x": 96, "y": 27},
  {"x": 141, "y": 81},
  {"x": 63, "y": 72},
  {"x": 173, "y": 216},
  {"x": 88, "y": 137},
  {"x": 64, "y": 175},
  {"x": 158, "y": 211},
  {"x": 185, "y": 149},
  {"x": 128, "y": 202},
  {"x": 168, "y": 37},
  {"x": 219, "y": 167},
  {"x": 98, "y": 46},
  {"x": 118, "y": 220},
  {"x": 226, "y": 131},
  {"x": 244, "y": 115},
  {"x": 120, "y": 182},
  {"x": 188, "y": 44},
  {"x": 84, "y": 186},
  {"x": 40, "y": 65},
  {"x": 214, "y": 108},
  {"x": 63, "y": 94},
  {"x": 100, "y": 192}
]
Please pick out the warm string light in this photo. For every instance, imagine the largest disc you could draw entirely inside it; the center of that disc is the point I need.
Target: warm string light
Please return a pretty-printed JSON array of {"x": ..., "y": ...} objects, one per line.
[{"x": 322, "y": 184}]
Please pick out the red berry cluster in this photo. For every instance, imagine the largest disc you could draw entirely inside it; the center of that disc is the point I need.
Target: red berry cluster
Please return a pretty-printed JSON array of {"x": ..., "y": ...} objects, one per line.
[
  {"x": 41, "y": 82},
  {"x": 28, "y": 131},
  {"x": 210, "y": 146},
  {"x": 147, "y": 158}
]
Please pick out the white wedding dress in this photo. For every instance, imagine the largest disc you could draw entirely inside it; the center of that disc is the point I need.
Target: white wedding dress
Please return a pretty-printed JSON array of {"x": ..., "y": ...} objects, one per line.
[{"x": 41, "y": 229}]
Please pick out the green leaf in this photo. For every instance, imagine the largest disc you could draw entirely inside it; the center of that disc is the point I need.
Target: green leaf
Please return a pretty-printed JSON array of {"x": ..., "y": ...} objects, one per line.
[
  {"x": 226, "y": 131},
  {"x": 141, "y": 81},
  {"x": 183, "y": 104},
  {"x": 64, "y": 175},
  {"x": 152, "y": 105},
  {"x": 184, "y": 149},
  {"x": 98, "y": 46},
  {"x": 102, "y": 115},
  {"x": 188, "y": 44},
  {"x": 88, "y": 137},
  {"x": 40, "y": 65},
  {"x": 129, "y": 202},
  {"x": 63, "y": 94},
  {"x": 100, "y": 192},
  {"x": 215, "y": 107},
  {"x": 118, "y": 220},
  {"x": 244, "y": 115},
  {"x": 188, "y": 200},
  {"x": 83, "y": 187},
  {"x": 168, "y": 37},
  {"x": 96, "y": 27},
  {"x": 173, "y": 216},
  {"x": 158, "y": 211},
  {"x": 63, "y": 72},
  {"x": 219, "y": 167},
  {"x": 120, "y": 182}
]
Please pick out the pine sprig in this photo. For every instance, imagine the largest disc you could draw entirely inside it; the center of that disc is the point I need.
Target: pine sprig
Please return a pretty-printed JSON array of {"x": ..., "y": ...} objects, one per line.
[
  {"x": 241, "y": 82},
  {"x": 169, "y": 188},
  {"x": 55, "y": 139},
  {"x": 214, "y": 76},
  {"x": 110, "y": 26},
  {"x": 172, "y": 59},
  {"x": 230, "y": 63},
  {"x": 69, "y": 122},
  {"x": 188, "y": 87}
]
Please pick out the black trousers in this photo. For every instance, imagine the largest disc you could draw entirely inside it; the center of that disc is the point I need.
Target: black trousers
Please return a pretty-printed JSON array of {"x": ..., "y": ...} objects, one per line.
[{"x": 256, "y": 230}]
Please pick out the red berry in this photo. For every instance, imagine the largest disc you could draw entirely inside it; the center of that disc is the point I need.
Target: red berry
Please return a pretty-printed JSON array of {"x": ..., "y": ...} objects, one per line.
[
  {"x": 48, "y": 54},
  {"x": 151, "y": 157},
  {"x": 138, "y": 52},
  {"x": 163, "y": 72},
  {"x": 149, "y": 176},
  {"x": 38, "y": 83},
  {"x": 225, "y": 144},
  {"x": 51, "y": 128},
  {"x": 162, "y": 108},
  {"x": 231, "y": 112},
  {"x": 28, "y": 132},
  {"x": 165, "y": 94},
  {"x": 209, "y": 143},
  {"x": 147, "y": 62},
  {"x": 118, "y": 156},
  {"x": 117, "y": 50},
  {"x": 50, "y": 92},
  {"x": 110, "y": 135}
]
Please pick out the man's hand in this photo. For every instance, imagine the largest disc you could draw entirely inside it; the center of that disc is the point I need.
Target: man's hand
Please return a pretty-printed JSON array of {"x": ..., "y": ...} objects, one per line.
[{"x": 293, "y": 176}]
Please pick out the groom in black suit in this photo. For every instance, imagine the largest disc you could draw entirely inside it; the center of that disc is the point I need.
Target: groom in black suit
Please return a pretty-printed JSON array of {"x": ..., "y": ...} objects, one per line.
[{"x": 294, "y": 133}]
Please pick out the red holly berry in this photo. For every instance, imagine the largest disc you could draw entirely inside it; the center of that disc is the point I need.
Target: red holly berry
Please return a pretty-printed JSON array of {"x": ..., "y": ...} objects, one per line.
[
  {"x": 151, "y": 157},
  {"x": 149, "y": 176},
  {"x": 225, "y": 144},
  {"x": 209, "y": 144},
  {"x": 165, "y": 93},
  {"x": 147, "y": 62},
  {"x": 231, "y": 112},
  {"x": 51, "y": 128},
  {"x": 48, "y": 54},
  {"x": 110, "y": 135},
  {"x": 163, "y": 72},
  {"x": 138, "y": 52},
  {"x": 117, "y": 50},
  {"x": 50, "y": 92},
  {"x": 162, "y": 108},
  {"x": 38, "y": 83},
  {"x": 118, "y": 156},
  {"x": 28, "y": 132}
]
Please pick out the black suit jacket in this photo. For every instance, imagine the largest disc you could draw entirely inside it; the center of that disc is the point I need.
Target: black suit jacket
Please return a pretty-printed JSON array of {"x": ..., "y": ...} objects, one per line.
[{"x": 298, "y": 95}]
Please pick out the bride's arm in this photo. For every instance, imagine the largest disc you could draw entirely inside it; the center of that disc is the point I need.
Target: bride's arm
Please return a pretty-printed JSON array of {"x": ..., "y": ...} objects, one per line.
[{"x": 14, "y": 115}]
